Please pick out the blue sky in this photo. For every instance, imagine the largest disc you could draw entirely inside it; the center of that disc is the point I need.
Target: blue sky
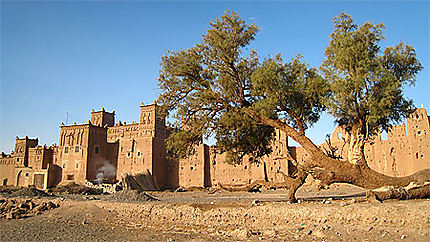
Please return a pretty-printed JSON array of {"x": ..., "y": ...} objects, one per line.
[{"x": 74, "y": 56}]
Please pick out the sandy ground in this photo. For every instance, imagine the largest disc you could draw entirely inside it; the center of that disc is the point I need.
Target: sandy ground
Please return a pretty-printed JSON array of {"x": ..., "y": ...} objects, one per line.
[{"x": 226, "y": 216}]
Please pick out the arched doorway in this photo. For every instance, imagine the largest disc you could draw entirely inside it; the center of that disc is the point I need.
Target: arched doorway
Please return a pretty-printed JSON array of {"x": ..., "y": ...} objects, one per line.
[{"x": 20, "y": 179}]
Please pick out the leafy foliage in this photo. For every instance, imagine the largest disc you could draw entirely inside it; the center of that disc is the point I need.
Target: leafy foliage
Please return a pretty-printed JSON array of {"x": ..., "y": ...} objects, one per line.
[
  {"x": 212, "y": 87},
  {"x": 366, "y": 85},
  {"x": 292, "y": 90}
]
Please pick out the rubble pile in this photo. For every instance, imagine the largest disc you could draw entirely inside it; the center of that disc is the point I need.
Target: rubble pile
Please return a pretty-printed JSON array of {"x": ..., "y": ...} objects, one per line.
[
  {"x": 15, "y": 209},
  {"x": 105, "y": 187},
  {"x": 29, "y": 192},
  {"x": 23, "y": 192},
  {"x": 74, "y": 188},
  {"x": 7, "y": 190}
]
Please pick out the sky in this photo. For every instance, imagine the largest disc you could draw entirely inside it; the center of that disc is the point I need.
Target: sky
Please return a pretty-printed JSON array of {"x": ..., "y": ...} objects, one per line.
[{"x": 60, "y": 59}]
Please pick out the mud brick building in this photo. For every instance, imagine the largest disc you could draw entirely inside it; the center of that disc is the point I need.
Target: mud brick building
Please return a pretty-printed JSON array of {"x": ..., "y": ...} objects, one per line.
[
  {"x": 104, "y": 150},
  {"x": 29, "y": 164}
]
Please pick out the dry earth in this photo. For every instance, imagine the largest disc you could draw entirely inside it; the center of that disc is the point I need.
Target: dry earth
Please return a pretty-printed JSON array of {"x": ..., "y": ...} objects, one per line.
[{"x": 199, "y": 215}]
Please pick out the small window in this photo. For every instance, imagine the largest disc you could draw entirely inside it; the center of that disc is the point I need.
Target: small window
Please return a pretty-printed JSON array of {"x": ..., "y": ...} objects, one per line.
[
  {"x": 76, "y": 148},
  {"x": 192, "y": 168},
  {"x": 245, "y": 167},
  {"x": 70, "y": 177},
  {"x": 77, "y": 165},
  {"x": 26, "y": 174},
  {"x": 66, "y": 149},
  {"x": 138, "y": 153},
  {"x": 5, "y": 182},
  {"x": 96, "y": 150},
  {"x": 17, "y": 159}
]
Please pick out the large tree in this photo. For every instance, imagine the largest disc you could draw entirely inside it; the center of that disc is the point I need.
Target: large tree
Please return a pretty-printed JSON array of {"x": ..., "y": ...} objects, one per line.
[
  {"x": 219, "y": 87},
  {"x": 366, "y": 86}
]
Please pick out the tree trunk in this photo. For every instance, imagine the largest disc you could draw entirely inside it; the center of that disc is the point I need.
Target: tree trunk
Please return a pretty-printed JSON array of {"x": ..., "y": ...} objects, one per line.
[
  {"x": 356, "y": 145},
  {"x": 290, "y": 183},
  {"x": 355, "y": 172}
]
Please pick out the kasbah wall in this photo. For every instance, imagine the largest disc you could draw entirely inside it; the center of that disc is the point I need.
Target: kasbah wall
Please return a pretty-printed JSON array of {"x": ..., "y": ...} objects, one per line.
[{"x": 104, "y": 150}]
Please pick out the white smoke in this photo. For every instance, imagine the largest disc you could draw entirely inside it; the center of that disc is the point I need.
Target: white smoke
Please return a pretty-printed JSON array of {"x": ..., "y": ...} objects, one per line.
[{"x": 107, "y": 171}]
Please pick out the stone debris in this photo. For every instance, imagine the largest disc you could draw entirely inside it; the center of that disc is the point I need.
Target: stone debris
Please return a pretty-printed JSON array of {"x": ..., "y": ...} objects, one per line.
[
  {"x": 24, "y": 192},
  {"x": 180, "y": 189},
  {"x": 255, "y": 203},
  {"x": 240, "y": 233},
  {"x": 106, "y": 188},
  {"x": 74, "y": 188},
  {"x": 15, "y": 209}
]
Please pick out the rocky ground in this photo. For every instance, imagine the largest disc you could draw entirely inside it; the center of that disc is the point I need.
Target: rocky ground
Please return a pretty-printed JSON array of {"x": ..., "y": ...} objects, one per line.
[{"x": 340, "y": 213}]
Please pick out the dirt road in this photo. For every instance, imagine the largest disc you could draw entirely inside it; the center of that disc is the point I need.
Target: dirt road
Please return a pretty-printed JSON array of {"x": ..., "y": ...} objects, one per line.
[{"x": 224, "y": 216}]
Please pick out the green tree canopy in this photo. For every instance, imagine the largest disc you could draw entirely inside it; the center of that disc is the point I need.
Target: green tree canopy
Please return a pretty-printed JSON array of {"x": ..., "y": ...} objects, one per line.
[
  {"x": 366, "y": 84},
  {"x": 214, "y": 86}
]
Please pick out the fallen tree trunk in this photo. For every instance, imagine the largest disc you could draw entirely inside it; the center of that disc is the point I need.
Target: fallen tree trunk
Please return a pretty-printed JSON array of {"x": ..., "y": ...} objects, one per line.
[
  {"x": 381, "y": 186},
  {"x": 256, "y": 186},
  {"x": 412, "y": 191},
  {"x": 290, "y": 183},
  {"x": 329, "y": 170}
]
